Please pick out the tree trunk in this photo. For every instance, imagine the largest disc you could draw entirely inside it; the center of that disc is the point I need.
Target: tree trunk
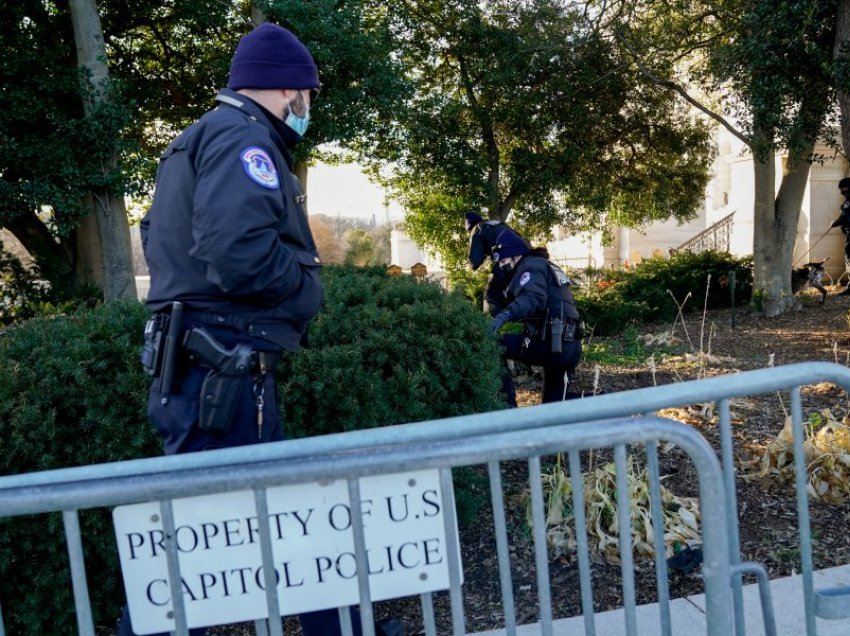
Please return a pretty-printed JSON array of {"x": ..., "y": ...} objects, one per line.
[
  {"x": 88, "y": 266},
  {"x": 258, "y": 16},
  {"x": 301, "y": 173},
  {"x": 767, "y": 279},
  {"x": 841, "y": 50},
  {"x": 108, "y": 209},
  {"x": 775, "y": 228}
]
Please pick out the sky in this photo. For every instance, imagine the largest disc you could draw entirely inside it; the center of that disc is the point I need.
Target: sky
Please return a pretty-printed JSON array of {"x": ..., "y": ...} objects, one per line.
[{"x": 344, "y": 190}]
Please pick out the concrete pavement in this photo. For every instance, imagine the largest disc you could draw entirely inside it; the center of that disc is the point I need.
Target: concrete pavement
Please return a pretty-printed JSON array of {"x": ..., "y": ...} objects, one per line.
[{"x": 688, "y": 614}]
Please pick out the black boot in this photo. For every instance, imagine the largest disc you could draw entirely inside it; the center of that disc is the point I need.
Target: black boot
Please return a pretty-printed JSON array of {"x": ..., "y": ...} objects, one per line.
[{"x": 389, "y": 627}]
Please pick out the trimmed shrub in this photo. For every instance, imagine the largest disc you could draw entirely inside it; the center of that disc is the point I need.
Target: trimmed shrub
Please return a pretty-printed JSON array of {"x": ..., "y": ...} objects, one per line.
[
  {"x": 471, "y": 284},
  {"x": 387, "y": 351},
  {"x": 605, "y": 311},
  {"x": 383, "y": 351},
  {"x": 71, "y": 393},
  {"x": 641, "y": 293}
]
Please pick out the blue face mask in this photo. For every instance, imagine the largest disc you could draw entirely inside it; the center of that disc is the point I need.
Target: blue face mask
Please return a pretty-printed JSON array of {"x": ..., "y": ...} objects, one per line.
[{"x": 298, "y": 124}]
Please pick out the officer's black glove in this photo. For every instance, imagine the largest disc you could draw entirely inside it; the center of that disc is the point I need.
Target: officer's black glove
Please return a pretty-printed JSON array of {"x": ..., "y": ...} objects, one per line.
[{"x": 497, "y": 322}]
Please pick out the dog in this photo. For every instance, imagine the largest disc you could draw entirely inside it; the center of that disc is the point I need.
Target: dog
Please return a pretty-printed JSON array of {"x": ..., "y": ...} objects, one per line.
[{"x": 811, "y": 273}]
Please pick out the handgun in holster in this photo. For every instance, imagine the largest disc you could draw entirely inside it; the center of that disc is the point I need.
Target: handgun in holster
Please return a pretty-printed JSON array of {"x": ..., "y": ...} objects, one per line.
[{"x": 222, "y": 387}]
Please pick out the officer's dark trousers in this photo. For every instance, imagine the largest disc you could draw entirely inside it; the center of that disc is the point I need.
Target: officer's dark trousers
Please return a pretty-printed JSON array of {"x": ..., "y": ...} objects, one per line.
[
  {"x": 532, "y": 351},
  {"x": 176, "y": 420},
  {"x": 846, "y": 259}
]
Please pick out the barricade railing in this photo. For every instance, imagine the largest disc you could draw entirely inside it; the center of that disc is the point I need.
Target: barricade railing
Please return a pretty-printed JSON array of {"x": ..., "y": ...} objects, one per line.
[
  {"x": 443, "y": 444},
  {"x": 236, "y": 469},
  {"x": 829, "y": 603}
]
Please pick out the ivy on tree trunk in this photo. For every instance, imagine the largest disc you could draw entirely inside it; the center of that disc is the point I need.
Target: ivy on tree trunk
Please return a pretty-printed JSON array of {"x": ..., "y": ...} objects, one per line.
[{"x": 113, "y": 234}]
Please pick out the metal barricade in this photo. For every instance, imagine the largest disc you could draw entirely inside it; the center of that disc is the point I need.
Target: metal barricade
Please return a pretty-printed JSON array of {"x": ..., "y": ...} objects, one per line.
[
  {"x": 828, "y": 603},
  {"x": 164, "y": 479},
  {"x": 489, "y": 438}
]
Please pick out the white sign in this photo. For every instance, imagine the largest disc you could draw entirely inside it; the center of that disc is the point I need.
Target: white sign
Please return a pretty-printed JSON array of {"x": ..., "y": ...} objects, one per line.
[{"x": 218, "y": 543}]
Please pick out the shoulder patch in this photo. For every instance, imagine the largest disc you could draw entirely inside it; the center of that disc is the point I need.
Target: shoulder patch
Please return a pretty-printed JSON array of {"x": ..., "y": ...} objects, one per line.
[
  {"x": 526, "y": 276},
  {"x": 259, "y": 167}
]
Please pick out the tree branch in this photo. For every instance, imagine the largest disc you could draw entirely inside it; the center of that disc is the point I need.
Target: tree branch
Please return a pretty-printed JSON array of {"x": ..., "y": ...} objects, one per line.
[
  {"x": 684, "y": 94},
  {"x": 508, "y": 204},
  {"x": 487, "y": 133},
  {"x": 40, "y": 243}
]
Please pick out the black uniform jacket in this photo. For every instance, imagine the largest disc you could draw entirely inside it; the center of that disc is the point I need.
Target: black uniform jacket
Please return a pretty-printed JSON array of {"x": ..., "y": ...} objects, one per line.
[
  {"x": 843, "y": 220},
  {"x": 534, "y": 289},
  {"x": 227, "y": 232}
]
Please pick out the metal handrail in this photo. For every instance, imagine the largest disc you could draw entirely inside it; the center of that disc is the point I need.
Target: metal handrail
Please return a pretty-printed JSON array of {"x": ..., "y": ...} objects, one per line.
[{"x": 723, "y": 226}]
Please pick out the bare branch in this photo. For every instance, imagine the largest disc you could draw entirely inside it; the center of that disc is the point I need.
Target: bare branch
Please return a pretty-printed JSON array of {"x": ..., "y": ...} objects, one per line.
[
  {"x": 487, "y": 132},
  {"x": 684, "y": 94},
  {"x": 508, "y": 203}
]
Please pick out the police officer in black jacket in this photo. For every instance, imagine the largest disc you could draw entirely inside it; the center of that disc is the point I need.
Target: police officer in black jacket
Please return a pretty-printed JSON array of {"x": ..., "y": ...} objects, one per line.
[
  {"x": 843, "y": 221},
  {"x": 539, "y": 296},
  {"x": 482, "y": 238},
  {"x": 228, "y": 244}
]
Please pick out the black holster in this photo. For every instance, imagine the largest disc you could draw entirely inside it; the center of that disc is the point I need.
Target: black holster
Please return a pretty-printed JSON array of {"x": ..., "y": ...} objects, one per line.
[
  {"x": 224, "y": 383},
  {"x": 572, "y": 330},
  {"x": 219, "y": 398}
]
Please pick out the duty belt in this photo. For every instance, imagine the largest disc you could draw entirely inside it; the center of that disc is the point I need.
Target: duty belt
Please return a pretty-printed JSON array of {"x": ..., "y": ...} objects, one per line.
[
  {"x": 261, "y": 361},
  {"x": 212, "y": 318}
]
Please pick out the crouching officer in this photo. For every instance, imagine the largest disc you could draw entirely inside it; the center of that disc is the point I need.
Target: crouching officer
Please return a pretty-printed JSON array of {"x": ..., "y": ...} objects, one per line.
[
  {"x": 538, "y": 295},
  {"x": 233, "y": 265},
  {"x": 482, "y": 238}
]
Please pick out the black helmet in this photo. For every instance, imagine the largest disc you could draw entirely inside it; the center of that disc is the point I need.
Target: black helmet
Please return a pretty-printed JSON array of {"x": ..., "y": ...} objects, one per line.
[{"x": 844, "y": 184}]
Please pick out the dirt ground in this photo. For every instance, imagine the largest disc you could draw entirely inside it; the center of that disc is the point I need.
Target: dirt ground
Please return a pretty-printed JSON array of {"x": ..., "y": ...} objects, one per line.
[{"x": 767, "y": 517}]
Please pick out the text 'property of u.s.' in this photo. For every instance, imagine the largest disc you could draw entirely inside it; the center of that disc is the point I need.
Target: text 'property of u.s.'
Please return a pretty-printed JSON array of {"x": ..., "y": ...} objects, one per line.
[{"x": 218, "y": 543}]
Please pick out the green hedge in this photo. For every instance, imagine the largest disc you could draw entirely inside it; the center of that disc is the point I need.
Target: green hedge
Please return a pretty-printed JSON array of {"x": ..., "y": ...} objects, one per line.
[
  {"x": 71, "y": 393},
  {"x": 382, "y": 351},
  {"x": 387, "y": 351},
  {"x": 618, "y": 298}
]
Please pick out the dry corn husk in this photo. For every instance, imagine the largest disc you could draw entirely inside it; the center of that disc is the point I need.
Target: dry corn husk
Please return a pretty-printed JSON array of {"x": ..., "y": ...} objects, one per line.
[
  {"x": 659, "y": 339},
  {"x": 694, "y": 414},
  {"x": 681, "y": 514},
  {"x": 827, "y": 451}
]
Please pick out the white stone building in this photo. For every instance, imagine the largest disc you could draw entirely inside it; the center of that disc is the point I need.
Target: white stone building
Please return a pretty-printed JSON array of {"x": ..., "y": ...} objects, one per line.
[
  {"x": 405, "y": 253},
  {"x": 729, "y": 197}
]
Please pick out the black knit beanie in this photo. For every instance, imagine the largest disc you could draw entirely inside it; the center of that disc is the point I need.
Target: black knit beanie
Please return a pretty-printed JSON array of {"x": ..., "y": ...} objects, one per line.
[
  {"x": 272, "y": 57},
  {"x": 508, "y": 244}
]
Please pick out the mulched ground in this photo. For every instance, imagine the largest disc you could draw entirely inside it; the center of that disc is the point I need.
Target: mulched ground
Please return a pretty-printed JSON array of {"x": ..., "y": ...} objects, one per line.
[{"x": 767, "y": 516}]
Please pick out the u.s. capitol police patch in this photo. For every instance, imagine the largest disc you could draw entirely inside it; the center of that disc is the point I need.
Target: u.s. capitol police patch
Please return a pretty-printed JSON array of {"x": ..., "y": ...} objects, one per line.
[
  {"x": 526, "y": 276},
  {"x": 260, "y": 167}
]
